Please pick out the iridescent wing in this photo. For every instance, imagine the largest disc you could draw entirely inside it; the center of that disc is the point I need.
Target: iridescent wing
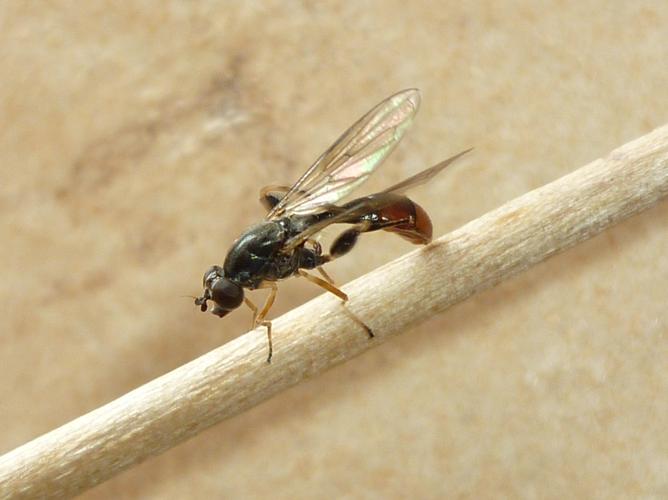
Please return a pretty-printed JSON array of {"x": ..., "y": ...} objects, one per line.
[
  {"x": 366, "y": 205},
  {"x": 352, "y": 158}
]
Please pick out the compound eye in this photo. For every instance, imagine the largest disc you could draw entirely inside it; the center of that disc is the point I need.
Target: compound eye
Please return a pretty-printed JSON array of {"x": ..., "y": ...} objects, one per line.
[
  {"x": 226, "y": 294},
  {"x": 211, "y": 274}
]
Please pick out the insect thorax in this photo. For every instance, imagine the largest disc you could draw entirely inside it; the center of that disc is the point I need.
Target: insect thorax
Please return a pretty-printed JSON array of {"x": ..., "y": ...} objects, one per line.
[{"x": 255, "y": 256}]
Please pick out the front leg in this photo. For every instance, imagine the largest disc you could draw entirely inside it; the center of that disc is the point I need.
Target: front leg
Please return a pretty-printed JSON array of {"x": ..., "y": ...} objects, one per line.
[
  {"x": 258, "y": 317},
  {"x": 253, "y": 308}
]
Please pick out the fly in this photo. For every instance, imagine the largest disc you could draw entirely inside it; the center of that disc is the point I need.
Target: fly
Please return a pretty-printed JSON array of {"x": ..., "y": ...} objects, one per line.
[{"x": 285, "y": 243}]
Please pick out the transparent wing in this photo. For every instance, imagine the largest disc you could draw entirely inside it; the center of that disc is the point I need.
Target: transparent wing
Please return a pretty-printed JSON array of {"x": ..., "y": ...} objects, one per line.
[
  {"x": 353, "y": 157},
  {"x": 425, "y": 175},
  {"x": 366, "y": 205}
]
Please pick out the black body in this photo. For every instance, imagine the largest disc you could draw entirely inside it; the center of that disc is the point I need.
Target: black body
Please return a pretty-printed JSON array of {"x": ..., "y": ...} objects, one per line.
[
  {"x": 261, "y": 255},
  {"x": 256, "y": 256},
  {"x": 285, "y": 243}
]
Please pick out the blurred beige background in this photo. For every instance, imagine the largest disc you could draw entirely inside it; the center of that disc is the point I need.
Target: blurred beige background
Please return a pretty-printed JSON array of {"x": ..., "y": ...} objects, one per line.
[{"x": 134, "y": 140}]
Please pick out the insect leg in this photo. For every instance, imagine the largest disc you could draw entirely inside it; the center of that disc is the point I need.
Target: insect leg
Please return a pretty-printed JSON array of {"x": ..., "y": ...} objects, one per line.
[
  {"x": 268, "y": 303},
  {"x": 330, "y": 287},
  {"x": 253, "y": 308},
  {"x": 325, "y": 275},
  {"x": 317, "y": 249},
  {"x": 259, "y": 319},
  {"x": 324, "y": 284},
  {"x": 345, "y": 242}
]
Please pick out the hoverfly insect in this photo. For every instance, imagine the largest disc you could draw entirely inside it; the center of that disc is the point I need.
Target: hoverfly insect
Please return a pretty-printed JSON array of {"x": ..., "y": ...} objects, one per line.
[{"x": 284, "y": 244}]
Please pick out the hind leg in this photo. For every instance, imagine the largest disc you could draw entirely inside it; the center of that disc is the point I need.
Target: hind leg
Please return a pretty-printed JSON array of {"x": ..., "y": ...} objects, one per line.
[
  {"x": 345, "y": 242},
  {"x": 330, "y": 287},
  {"x": 317, "y": 249},
  {"x": 326, "y": 275}
]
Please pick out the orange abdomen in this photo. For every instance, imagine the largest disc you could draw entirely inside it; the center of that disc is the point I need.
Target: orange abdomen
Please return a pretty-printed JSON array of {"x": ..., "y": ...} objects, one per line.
[{"x": 417, "y": 229}]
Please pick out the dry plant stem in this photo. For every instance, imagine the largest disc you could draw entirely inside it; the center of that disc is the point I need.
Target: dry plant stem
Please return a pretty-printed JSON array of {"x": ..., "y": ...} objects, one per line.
[{"x": 319, "y": 334}]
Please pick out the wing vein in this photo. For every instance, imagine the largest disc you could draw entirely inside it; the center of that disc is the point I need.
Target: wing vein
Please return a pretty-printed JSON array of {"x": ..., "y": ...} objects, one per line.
[{"x": 352, "y": 158}]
